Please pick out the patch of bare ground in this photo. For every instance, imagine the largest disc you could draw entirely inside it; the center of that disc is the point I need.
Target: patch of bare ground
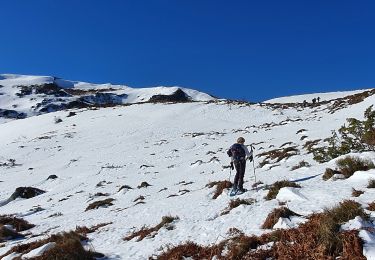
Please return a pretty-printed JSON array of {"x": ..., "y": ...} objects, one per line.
[
  {"x": 300, "y": 165},
  {"x": 318, "y": 238},
  {"x": 68, "y": 245},
  {"x": 152, "y": 231},
  {"x": 220, "y": 187}
]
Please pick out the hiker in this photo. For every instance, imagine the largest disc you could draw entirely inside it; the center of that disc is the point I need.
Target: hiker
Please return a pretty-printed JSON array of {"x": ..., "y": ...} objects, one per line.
[
  {"x": 305, "y": 103},
  {"x": 314, "y": 101},
  {"x": 318, "y": 99},
  {"x": 239, "y": 154}
]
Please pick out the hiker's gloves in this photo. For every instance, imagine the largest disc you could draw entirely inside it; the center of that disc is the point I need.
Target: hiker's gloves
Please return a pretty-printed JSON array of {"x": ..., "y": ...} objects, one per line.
[
  {"x": 251, "y": 158},
  {"x": 231, "y": 165}
]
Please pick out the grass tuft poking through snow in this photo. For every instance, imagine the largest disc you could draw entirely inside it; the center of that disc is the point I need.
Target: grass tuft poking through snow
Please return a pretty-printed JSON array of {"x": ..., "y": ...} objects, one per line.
[
  {"x": 274, "y": 189},
  {"x": 220, "y": 187},
  {"x": 357, "y": 193},
  {"x": 237, "y": 202},
  {"x": 145, "y": 232},
  {"x": 100, "y": 203},
  {"x": 274, "y": 216},
  {"x": 68, "y": 246},
  {"x": 350, "y": 164}
]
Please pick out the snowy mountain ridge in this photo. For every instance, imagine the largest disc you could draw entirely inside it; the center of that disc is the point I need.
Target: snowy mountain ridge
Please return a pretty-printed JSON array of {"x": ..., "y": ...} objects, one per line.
[
  {"x": 24, "y": 95},
  {"x": 122, "y": 171}
]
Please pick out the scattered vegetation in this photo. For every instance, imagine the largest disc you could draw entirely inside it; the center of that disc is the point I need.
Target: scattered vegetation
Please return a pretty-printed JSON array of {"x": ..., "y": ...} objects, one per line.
[
  {"x": 274, "y": 189},
  {"x": 220, "y": 187},
  {"x": 277, "y": 213},
  {"x": 358, "y": 136},
  {"x": 371, "y": 206},
  {"x": 278, "y": 154},
  {"x": 357, "y": 193},
  {"x": 237, "y": 202},
  {"x": 318, "y": 238},
  {"x": 300, "y": 165},
  {"x": 145, "y": 232},
  {"x": 82, "y": 230},
  {"x": 371, "y": 184},
  {"x": 100, "y": 203},
  {"x": 26, "y": 193},
  {"x": 68, "y": 246}
]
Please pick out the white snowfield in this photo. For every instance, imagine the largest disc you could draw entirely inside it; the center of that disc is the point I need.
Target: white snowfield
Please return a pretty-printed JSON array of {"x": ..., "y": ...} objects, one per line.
[{"x": 178, "y": 149}]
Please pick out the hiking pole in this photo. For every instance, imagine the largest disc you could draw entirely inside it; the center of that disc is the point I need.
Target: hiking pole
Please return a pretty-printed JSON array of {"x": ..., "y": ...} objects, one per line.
[{"x": 252, "y": 153}]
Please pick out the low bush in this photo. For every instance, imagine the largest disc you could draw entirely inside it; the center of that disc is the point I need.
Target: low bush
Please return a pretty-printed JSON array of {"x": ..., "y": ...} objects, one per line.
[
  {"x": 275, "y": 215},
  {"x": 358, "y": 136},
  {"x": 350, "y": 164},
  {"x": 220, "y": 187},
  {"x": 274, "y": 189},
  {"x": 8, "y": 234}
]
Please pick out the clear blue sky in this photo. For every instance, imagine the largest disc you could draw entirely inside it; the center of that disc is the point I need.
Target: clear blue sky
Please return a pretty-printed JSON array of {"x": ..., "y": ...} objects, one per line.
[{"x": 251, "y": 50}]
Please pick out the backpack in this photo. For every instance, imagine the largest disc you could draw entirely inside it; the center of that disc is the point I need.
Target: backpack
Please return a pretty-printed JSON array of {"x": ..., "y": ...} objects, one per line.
[{"x": 236, "y": 152}]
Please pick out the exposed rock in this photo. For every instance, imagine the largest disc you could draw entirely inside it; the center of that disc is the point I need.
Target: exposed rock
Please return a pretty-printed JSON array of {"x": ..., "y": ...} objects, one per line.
[
  {"x": 26, "y": 193},
  {"x": 177, "y": 96}
]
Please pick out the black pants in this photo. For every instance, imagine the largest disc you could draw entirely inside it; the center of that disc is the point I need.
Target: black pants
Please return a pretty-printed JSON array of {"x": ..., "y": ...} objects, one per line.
[{"x": 240, "y": 172}]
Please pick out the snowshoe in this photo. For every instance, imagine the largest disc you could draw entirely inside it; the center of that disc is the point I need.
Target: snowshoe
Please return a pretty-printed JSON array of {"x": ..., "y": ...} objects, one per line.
[{"x": 233, "y": 192}]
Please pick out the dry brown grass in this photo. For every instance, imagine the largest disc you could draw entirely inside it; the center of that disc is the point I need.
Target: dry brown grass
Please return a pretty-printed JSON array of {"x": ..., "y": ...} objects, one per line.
[
  {"x": 371, "y": 206},
  {"x": 274, "y": 189},
  {"x": 279, "y": 154},
  {"x": 329, "y": 173},
  {"x": 350, "y": 164},
  {"x": 318, "y": 238},
  {"x": 83, "y": 230},
  {"x": 220, "y": 187},
  {"x": 18, "y": 224},
  {"x": 300, "y": 165},
  {"x": 274, "y": 216},
  {"x": 237, "y": 202},
  {"x": 8, "y": 234},
  {"x": 100, "y": 203},
  {"x": 152, "y": 231},
  {"x": 357, "y": 193},
  {"x": 68, "y": 246}
]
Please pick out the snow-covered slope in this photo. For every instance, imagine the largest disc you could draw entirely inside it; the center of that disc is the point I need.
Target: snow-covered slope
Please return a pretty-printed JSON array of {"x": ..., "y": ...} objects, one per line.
[
  {"x": 22, "y": 95},
  {"x": 178, "y": 149},
  {"x": 309, "y": 97}
]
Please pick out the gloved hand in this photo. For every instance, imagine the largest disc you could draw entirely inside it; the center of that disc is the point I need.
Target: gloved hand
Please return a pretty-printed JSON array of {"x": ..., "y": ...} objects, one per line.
[
  {"x": 231, "y": 165},
  {"x": 251, "y": 158}
]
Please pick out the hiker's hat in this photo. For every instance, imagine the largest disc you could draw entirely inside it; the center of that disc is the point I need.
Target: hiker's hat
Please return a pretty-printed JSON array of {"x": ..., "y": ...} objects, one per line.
[{"x": 241, "y": 140}]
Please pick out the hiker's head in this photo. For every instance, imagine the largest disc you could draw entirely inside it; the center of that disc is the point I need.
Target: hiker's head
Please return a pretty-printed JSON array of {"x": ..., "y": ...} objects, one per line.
[{"x": 241, "y": 140}]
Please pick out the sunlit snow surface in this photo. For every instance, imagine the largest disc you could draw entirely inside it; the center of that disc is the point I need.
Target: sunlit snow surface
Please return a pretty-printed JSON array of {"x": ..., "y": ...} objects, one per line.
[{"x": 155, "y": 143}]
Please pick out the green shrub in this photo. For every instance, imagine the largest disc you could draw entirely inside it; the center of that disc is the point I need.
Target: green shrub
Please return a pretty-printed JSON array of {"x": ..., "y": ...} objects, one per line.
[{"x": 358, "y": 136}]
